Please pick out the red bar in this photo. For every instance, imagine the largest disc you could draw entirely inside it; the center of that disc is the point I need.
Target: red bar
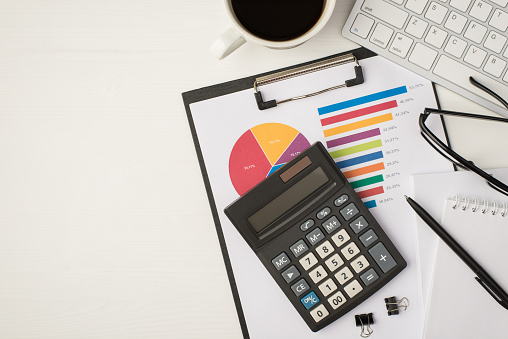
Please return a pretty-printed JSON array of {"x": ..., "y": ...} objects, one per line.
[
  {"x": 371, "y": 192},
  {"x": 359, "y": 112}
]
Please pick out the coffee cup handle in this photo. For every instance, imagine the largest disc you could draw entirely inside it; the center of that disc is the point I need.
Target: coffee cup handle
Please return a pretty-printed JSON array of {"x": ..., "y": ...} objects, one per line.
[{"x": 227, "y": 43}]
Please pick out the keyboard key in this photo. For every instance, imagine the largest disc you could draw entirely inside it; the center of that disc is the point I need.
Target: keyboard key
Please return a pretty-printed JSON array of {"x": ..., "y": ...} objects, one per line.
[
  {"x": 369, "y": 277},
  {"x": 281, "y": 261},
  {"x": 309, "y": 300},
  {"x": 319, "y": 313},
  {"x": 305, "y": 226},
  {"x": 318, "y": 274},
  {"x": 455, "y": 46},
  {"x": 315, "y": 236},
  {"x": 359, "y": 264},
  {"x": 340, "y": 238},
  {"x": 501, "y": 3},
  {"x": 416, "y": 6},
  {"x": 475, "y": 56},
  {"x": 344, "y": 275},
  {"x": 327, "y": 287},
  {"x": 495, "y": 42},
  {"x": 499, "y": 20},
  {"x": 349, "y": 211},
  {"x": 401, "y": 45},
  {"x": 325, "y": 249},
  {"x": 386, "y": 12},
  {"x": 398, "y": 2},
  {"x": 494, "y": 66},
  {"x": 362, "y": 26},
  {"x": 290, "y": 274},
  {"x": 350, "y": 250},
  {"x": 480, "y": 10},
  {"x": 456, "y": 22},
  {"x": 461, "y": 5},
  {"x": 300, "y": 287},
  {"x": 381, "y": 35},
  {"x": 416, "y": 27},
  {"x": 334, "y": 262},
  {"x": 323, "y": 213},
  {"x": 436, "y": 37},
  {"x": 359, "y": 224},
  {"x": 382, "y": 257},
  {"x": 436, "y": 12},
  {"x": 353, "y": 288},
  {"x": 423, "y": 56},
  {"x": 337, "y": 300},
  {"x": 475, "y": 32},
  {"x": 368, "y": 238},
  {"x": 331, "y": 224},
  {"x": 299, "y": 248},
  {"x": 341, "y": 200},
  {"x": 308, "y": 261}
]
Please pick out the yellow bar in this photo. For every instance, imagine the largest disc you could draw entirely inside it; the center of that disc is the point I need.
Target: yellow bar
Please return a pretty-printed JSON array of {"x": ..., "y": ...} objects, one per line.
[{"x": 358, "y": 124}]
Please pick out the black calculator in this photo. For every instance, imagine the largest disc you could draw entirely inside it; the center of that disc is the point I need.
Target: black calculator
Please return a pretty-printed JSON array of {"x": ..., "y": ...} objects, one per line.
[{"x": 315, "y": 236}]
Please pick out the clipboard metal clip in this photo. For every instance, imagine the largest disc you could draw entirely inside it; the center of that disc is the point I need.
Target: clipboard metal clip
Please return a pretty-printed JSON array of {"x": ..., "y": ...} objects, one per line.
[{"x": 317, "y": 66}]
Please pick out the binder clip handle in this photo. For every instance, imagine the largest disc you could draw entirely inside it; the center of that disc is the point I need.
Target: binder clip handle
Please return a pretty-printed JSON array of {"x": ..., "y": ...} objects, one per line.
[
  {"x": 393, "y": 306},
  {"x": 364, "y": 321}
]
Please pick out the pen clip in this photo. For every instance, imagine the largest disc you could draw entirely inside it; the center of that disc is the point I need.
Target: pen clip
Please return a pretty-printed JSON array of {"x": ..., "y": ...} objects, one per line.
[{"x": 492, "y": 293}]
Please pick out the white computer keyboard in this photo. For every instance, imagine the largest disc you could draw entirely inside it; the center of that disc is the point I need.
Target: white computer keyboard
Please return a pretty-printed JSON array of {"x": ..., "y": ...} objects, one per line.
[{"x": 446, "y": 41}]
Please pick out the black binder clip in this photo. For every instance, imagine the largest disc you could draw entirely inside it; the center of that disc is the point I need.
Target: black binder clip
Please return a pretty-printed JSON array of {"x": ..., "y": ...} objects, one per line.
[
  {"x": 394, "y": 306},
  {"x": 364, "y": 320}
]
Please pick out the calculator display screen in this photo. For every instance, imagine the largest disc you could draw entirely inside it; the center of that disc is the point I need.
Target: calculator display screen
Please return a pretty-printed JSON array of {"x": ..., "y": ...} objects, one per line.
[{"x": 289, "y": 199}]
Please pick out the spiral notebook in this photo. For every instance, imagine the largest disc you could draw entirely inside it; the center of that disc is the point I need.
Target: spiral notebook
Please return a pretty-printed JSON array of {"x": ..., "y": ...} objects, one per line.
[{"x": 458, "y": 306}]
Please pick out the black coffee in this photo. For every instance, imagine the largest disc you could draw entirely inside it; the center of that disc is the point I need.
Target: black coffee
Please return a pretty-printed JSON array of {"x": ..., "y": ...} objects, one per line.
[{"x": 278, "y": 20}]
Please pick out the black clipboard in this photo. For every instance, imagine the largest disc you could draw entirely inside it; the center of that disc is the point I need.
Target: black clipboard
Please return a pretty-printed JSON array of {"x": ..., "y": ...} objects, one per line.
[{"x": 230, "y": 87}]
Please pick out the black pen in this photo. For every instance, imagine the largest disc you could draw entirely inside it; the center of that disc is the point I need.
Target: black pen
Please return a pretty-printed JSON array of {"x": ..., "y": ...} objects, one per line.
[{"x": 482, "y": 276}]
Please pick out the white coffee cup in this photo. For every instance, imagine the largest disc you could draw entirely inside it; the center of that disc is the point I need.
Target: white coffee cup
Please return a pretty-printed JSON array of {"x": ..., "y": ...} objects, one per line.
[{"x": 237, "y": 35}]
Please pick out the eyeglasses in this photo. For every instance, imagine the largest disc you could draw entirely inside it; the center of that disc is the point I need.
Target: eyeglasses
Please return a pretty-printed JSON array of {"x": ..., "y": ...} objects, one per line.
[{"x": 443, "y": 149}]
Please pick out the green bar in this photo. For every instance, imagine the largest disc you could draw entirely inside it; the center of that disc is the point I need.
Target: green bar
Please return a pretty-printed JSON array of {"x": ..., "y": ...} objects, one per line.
[
  {"x": 356, "y": 149},
  {"x": 367, "y": 181}
]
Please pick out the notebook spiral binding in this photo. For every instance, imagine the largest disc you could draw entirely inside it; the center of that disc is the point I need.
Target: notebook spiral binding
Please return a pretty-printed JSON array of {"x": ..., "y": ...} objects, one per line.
[{"x": 480, "y": 205}]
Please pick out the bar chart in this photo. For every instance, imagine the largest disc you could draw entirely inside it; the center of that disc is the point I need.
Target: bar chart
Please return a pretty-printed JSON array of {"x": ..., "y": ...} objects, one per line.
[{"x": 361, "y": 136}]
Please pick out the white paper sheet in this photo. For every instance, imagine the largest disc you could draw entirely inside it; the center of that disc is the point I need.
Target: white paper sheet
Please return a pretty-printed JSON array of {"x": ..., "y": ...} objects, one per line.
[{"x": 220, "y": 122}]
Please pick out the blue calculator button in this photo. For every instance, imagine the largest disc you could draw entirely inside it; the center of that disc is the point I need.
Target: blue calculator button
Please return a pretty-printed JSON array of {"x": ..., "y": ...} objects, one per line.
[{"x": 310, "y": 300}]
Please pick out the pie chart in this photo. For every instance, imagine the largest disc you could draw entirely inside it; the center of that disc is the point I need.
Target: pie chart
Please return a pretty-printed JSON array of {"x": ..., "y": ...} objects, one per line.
[{"x": 260, "y": 151}]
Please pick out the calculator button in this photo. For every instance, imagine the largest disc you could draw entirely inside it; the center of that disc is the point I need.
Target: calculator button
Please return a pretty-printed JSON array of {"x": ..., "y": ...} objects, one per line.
[
  {"x": 290, "y": 274},
  {"x": 325, "y": 249},
  {"x": 315, "y": 236},
  {"x": 334, "y": 262},
  {"x": 337, "y": 300},
  {"x": 327, "y": 287},
  {"x": 353, "y": 288},
  {"x": 369, "y": 277},
  {"x": 381, "y": 256},
  {"x": 331, "y": 224},
  {"x": 300, "y": 287},
  {"x": 281, "y": 261},
  {"x": 305, "y": 226},
  {"x": 349, "y": 211},
  {"x": 350, "y": 250},
  {"x": 340, "y": 238},
  {"x": 344, "y": 275},
  {"x": 341, "y": 200},
  {"x": 310, "y": 300},
  {"x": 359, "y": 225},
  {"x": 319, "y": 313},
  {"x": 299, "y": 248},
  {"x": 368, "y": 238},
  {"x": 308, "y": 261},
  {"x": 323, "y": 213},
  {"x": 318, "y": 274},
  {"x": 359, "y": 263}
]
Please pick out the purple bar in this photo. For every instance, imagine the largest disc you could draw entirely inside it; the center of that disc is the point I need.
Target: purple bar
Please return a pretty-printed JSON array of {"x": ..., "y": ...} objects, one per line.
[{"x": 353, "y": 137}]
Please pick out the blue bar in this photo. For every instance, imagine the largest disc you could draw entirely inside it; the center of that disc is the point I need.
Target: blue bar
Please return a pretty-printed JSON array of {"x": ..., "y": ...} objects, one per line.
[
  {"x": 362, "y": 100},
  {"x": 370, "y": 203},
  {"x": 360, "y": 160}
]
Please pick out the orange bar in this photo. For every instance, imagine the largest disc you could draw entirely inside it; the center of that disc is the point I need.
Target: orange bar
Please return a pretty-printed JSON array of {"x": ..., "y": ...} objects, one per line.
[
  {"x": 364, "y": 170},
  {"x": 358, "y": 124}
]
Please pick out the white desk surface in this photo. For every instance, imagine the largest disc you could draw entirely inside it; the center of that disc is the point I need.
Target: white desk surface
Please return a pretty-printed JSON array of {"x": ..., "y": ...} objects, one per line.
[{"x": 105, "y": 227}]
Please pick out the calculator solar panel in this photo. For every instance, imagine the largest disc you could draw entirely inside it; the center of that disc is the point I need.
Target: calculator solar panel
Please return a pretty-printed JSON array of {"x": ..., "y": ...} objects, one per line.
[{"x": 315, "y": 236}]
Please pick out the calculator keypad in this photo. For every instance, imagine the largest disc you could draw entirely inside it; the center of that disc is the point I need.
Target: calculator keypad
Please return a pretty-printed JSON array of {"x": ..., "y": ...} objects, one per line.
[{"x": 328, "y": 260}]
